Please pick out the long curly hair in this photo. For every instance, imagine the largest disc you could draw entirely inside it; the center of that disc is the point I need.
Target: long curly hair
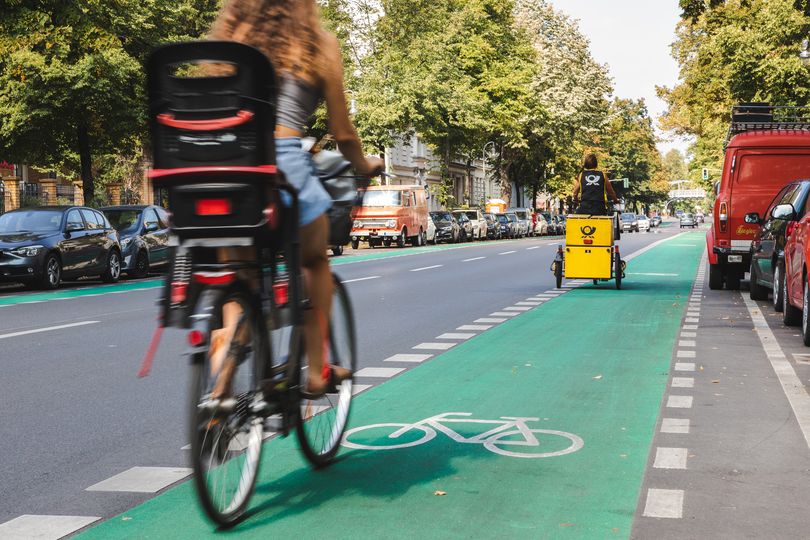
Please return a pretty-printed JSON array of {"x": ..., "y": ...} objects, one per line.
[{"x": 287, "y": 31}]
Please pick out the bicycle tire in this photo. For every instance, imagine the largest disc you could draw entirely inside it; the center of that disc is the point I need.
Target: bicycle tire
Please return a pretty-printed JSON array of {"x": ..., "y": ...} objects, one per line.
[
  {"x": 226, "y": 440},
  {"x": 321, "y": 422}
]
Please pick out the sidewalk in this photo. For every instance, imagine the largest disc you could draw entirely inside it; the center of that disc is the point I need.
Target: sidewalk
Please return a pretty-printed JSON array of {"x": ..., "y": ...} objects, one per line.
[{"x": 593, "y": 364}]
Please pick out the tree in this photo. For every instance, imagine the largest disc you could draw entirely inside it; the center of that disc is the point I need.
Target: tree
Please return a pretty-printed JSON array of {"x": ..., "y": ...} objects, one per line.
[{"x": 72, "y": 79}]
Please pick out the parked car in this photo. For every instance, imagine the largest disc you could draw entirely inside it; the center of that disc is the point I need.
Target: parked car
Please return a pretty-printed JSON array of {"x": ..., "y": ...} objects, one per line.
[
  {"x": 644, "y": 223},
  {"x": 761, "y": 157},
  {"x": 523, "y": 220},
  {"x": 700, "y": 217},
  {"x": 477, "y": 221},
  {"x": 431, "y": 231},
  {"x": 559, "y": 223},
  {"x": 42, "y": 246},
  {"x": 656, "y": 221},
  {"x": 391, "y": 214},
  {"x": 143, "y": 232},
  {"x": 528, "y": 215},
  {"x": 505, "y": 225},
  {"x": 447, "y": 228},
  {"x": 514, "y": 225},
  {"x": 465, "y": 223},
  {"x": 540, "y": 225},
  {"x": 493, "y": 227},
  {"x": 688, "y": 220},
  {"x": 629, "y": 222},
  {"x": 769, "y": 244}
]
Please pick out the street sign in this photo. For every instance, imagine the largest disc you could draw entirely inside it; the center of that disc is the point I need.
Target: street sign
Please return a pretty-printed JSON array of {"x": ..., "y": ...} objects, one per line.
[{"x": 687, "y": 194}]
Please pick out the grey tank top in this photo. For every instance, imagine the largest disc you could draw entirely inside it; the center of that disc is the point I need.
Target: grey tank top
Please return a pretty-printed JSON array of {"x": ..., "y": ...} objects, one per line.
[{"x": 296, "y": 102}]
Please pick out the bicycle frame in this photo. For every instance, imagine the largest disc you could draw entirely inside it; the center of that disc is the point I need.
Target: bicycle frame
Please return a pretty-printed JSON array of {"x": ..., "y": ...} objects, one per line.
[{"x": 436, "y": 422}]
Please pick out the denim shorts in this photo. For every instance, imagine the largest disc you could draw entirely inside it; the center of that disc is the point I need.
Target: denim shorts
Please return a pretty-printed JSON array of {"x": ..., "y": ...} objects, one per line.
[{"x": 297, "y": 166}]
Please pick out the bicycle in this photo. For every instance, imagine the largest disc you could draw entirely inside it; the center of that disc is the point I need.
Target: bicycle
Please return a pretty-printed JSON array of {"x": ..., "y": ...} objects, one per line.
[
  {"x": 238, "y": 203},
  {"x": 493, "y": 439}
]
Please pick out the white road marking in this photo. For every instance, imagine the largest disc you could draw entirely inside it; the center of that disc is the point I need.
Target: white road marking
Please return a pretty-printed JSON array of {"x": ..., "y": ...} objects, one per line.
[
  {"x": 684, "y": 366},
  {"x": 490, "y": 320},
  {"x": 664, "y": 503},
  {"x": 473, "y": 259},
  {"x": 670, "y": 458},
  {"x": 142, "y": 479},
  {"x": 434, "y": 346},
  {"x": 414, "y": 358},
  {"x": 792, "y": 386},
  {"x": 525, "y": 303},
  {"x": 689, "y": 327},
  {"x": 507, "y": 252},
  {"x": 268, "y": 434},
  {"x": 651, "y": 274},
  {"x": 692, "y": 320},
  {"x": 688, "y": 334},
  {"x": 683, "y": 382},
  {"x": 679, "y": 402},
  {"x": 27, "y": 527},
  {"x": 533, "y": 247},
  {"x": 686, "y": 354},
  {"x": 427, "y": 268},
  {"x": 536, "y": 300},
  {"x": 361, "y": 279},
  {"x": 475, "y": 327},
  {"x": 645, "y": 249},
  {"x": 520, "y": 308},
  {"x": 455, "y": 335},
  {"x": 357, "y": 388},
  {"x": 379, "y": 372},
  {"x": 553, "y": 293},
  {"x": 686, "y": 343},
  {"x": 47, "y": 329},
  {"x": 675, "y": 425},
  {"x": 503, "y": 314}
]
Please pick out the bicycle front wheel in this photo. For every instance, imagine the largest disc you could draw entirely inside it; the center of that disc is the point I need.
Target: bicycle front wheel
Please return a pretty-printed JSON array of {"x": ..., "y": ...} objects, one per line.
[
  {"x": 322, "y": 421},
  {"x": 226, "y": 435}
]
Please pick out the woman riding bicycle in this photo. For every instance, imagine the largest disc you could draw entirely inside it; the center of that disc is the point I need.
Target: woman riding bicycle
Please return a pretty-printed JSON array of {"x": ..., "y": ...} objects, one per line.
[
  {"x": 309, "y": 66},
  {"x": 593, "y": 187}
]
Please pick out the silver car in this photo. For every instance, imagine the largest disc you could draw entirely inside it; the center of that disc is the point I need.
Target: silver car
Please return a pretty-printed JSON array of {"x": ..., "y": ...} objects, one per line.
[{"x": 688, "y": 220}]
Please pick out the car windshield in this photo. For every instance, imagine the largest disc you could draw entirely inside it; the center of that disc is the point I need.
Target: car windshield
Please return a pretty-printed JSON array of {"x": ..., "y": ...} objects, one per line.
[
  {"x": 124, "y": 221},
  {"x": 489, "y": 217},
  {"x": 31, "y": 221},
  {"x": 521, "y": 215},
  {"x": 628, "y": 217},
  {"x": 512, "y": 217},
  {"x": 503, "y": 219},
  {"x": 441, "y": 216},
  {"x": 686, "y": 216},
  {"x": 472, "y": 215},
  {"x": 383, "y": 198}
]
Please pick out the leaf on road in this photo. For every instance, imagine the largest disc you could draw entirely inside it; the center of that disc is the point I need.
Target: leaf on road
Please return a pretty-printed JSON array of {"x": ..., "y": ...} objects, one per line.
[
  {"x": 597, "y": 377},
  {"x": 715, "y": 381},
  {"x": 439, "y": 493}
]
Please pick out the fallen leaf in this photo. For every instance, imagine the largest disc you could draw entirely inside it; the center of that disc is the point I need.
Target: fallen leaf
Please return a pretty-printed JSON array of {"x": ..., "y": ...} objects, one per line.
[
  {"x": 439, "y": 493},
  {"x": 715, "y": 381},
  {"x": 566, "y": 524},
  {"x": 598, "y": 377}
]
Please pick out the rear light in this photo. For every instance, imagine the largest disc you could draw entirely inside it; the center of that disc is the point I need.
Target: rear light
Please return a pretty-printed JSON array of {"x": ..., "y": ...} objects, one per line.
[
  {"x": 178, "y": 292},
  {"x": 790, "y": 228},
  {"x": 195, "y": 338},
  {"x": 281, "y": 293},
  {"x": 723, "y": 217},
  {"x": 271, "y": 215},
  {"x": 212, "y": 207},
  {"x": 214, "y": 278}
]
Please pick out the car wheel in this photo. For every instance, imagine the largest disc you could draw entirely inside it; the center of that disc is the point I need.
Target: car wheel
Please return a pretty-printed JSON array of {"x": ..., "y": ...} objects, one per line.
[
  {"x": 141, "y": 268},
  {"x": 733, "y": 280},
  {"x": 402, "y": 239},
  {"x": 778, "y": 272},
  {"x": 337, "y": 251},
  {"x": 113, "y": 271},
  {"x": 791, "y": 316},
  {"x": 355, "y": 244},
  {"x": 756, "y": 291},
  {"x": 51, "y": 273},
  {"x": 386, "y": 242},
  {"x": 716, "y": 277}
]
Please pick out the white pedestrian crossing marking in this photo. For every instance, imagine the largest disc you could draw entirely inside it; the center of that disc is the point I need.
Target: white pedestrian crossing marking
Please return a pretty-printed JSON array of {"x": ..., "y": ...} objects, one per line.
[
  {"x": 489, "y": 320},
  {"x": 686, "y": 354},
  {"x": 503, "y": 314},
  {"x": 686, "y": 343},
  {"x": 475, "y": 327},
  {"x": 519, "y": 308}
]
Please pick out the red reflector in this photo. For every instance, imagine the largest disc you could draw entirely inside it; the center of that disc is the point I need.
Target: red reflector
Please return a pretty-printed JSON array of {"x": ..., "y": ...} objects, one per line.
[
  {"x": 179, "y": 289},
  {"x": 281, "y": 293},
  {"x": 196, "y": 338},
  {"x": 271, "y": 215},
  {"x": 214, "y": 278},
  {"x": 588, "y": 241},
  {"x": 213, "y": 207}
]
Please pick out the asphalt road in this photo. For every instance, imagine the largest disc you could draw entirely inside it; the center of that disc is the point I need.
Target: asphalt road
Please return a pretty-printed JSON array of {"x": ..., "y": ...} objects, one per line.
[{"x": 75, "y": 413}]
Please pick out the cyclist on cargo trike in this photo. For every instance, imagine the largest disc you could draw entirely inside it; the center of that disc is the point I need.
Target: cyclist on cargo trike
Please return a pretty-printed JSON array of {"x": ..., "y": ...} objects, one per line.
[{"x": 590, "y": 250}]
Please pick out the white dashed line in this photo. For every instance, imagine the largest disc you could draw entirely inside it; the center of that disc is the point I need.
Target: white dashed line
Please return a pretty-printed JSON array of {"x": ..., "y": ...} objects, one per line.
[
  {"x": 361, "y": 279},
  {"x": 473, "y": 259},
  {"x": 379, "y": 372},
  {"x": 46, "y": 329},
  {"x": 454, "y": 335},
  {"x": 414, "y": 358},
  {"x": 686, "y": 354},
  {"x": 427, "y": 268},
  {"x": 507, "y": 252},
  {"x": 675, "y": 425},
  {"x": 46, "y": 527},
  {"x": 475, "y": 327},
  {"x": 525, "y": 303},
  {"x": 670, "y": 458},
  {"x": 503, "y": 314},
  {"x": 683, "y": 382},
  {"x": 664, "y": 503},
  {"x": 142, "y": 479},
  {"x": 679, "y": 402},
  {"x": 684, "y": 366},
  {"x": 434, "y": 346},
  {"x": 533, "y": 247},
  {"x": 519, "y": 308},
  {"x": 490, "y": 320}
]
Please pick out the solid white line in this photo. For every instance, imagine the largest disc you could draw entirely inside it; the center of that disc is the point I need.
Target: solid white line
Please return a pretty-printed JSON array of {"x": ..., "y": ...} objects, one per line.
[
  {"x": 455, "y": 335},
  {"x": 473, "y": 259},
  {"x": 683, "y": 382},
  {"x": 360, "y": 279},
  {"x": 47, "y": 329},
  {"x": 684, "y": 366},
  {"x": 434, "y": 346},
  {"x": 490, "y": 320},
  {"x": 651, "y": 274},
  {"x": 416, "y": 358},
  {"x": 679, "y": 402},
  {"x": 664, "y": 503},
  {"x": 791, "y": 384},
  {"x": 427, "y": 268},
  {"x": 475, "y": 327},
  {"x": 142, "y": 479},
  {"x": 37, "y": 526},
  {"x": 379, "y": 372},
  {"x": 675, "y": 425},
  {"x": 670, "y": 458},
  {"x": 507, "y": 252},
  {"x": 644, "y": 250}
]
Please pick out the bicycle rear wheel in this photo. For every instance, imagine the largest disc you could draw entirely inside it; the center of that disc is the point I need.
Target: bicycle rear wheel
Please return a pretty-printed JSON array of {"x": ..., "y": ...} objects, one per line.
[
  {"x": 226, "y": 435},
  {"x": 322, "y": 421}
]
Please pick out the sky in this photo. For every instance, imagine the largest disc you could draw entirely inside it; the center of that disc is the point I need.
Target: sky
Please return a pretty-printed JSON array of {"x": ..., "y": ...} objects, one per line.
[{"x": 633, "y": 37}]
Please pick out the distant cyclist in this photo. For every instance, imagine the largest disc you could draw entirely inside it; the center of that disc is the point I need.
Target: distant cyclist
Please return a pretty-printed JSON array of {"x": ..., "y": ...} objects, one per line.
[{"x": 594, "y": 189}]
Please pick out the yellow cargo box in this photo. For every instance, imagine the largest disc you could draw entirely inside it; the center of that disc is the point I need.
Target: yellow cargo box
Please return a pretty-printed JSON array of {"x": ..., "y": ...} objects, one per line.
[
  {"x": 588, "y": 262},
  {"x": 589, "y": 231}
]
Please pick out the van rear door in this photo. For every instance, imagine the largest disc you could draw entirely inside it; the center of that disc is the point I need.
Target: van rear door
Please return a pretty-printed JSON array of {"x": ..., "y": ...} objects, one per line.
[{"x": 759, "y": 176}]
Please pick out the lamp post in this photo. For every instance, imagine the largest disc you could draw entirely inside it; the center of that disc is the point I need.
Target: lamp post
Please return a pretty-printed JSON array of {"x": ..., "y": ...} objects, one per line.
[{"x": 485, "y": 157}]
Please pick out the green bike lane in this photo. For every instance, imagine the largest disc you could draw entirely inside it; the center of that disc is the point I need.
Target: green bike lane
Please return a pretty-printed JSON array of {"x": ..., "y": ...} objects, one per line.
[{"x": 593, "y": 363}]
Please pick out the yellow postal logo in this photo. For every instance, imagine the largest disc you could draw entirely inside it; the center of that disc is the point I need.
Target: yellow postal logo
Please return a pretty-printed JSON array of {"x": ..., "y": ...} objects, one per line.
[{"x": 587, "y": 231}]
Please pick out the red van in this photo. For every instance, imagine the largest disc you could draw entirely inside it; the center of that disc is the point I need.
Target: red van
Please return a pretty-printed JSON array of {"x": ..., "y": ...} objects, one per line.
[{"x": 768, "y": 148}]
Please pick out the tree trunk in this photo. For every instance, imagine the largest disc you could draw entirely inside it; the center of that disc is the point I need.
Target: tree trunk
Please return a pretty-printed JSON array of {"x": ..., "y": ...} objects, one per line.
[{"x": 86, "y": 163}]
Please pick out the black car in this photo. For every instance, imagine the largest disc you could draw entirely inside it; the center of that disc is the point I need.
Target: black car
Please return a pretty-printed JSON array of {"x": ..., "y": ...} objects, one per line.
[
  {"x": 514, "y": 223},
  {"x": 41, "y": 246},
  {"x": 144, "y": 236},
  {"x": 768, "y": 246},
  {"x": 493, "y": 227},
  {"x": 447, "y": 228},
  {"x": 507, "y": 230}
]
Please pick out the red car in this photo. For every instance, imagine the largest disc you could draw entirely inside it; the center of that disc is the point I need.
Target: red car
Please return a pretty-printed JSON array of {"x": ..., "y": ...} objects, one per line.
[
  {"x": 795, "y": 292},
  {"x": 768, "y": 149}
]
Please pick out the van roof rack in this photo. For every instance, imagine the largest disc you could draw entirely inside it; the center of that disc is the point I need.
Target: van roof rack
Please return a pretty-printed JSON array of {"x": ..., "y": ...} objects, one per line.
[{"x": 764, "y": 116}]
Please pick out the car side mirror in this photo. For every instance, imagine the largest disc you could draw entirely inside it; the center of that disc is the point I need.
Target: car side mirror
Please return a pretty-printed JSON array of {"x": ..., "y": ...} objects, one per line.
[
  {"x": 151, "y": 226},
  {"x": 717, "y": 188},
  {"x": 784, "y": 211},
  {"x": 752, "y": 218},
  {"x": 74, "y": 227}
]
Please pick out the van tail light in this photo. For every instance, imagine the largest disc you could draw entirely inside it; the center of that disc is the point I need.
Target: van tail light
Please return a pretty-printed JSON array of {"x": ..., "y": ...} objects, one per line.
[
  {"x": 213, "y": 207},
  {"x": 281, "y": 293},
  {"x": 178, "y": 292},
  {"x": 723, "y": 217},
  {"x": 214, "y": 278},
  {"x": 790, "y": 228}
]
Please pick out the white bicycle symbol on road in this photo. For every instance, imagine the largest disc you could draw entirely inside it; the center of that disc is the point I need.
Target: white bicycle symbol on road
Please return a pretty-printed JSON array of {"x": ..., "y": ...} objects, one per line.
[{"x": 510, "y": 432}]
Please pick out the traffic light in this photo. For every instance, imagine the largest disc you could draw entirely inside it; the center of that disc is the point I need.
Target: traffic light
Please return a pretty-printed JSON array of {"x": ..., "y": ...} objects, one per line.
[
  {"x": 626, "y": 183},
  {"x": 705, "y": 173}
]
